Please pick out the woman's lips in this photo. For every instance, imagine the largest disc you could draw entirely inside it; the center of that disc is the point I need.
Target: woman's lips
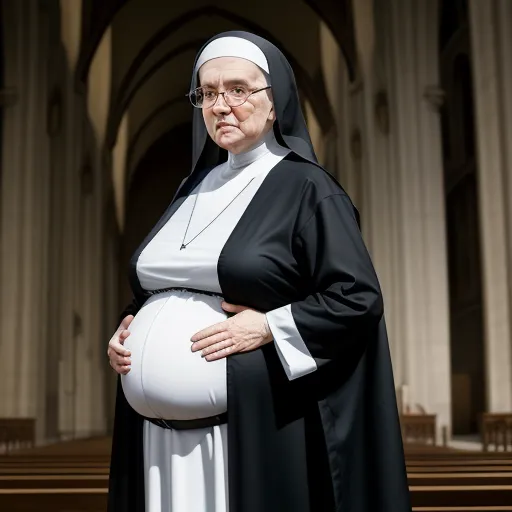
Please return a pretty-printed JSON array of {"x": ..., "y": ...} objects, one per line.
[{"x": 224, "y": 125}]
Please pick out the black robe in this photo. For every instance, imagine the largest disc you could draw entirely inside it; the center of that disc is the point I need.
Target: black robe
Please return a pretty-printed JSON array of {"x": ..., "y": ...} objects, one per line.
[{"x": 326, "y": 442}]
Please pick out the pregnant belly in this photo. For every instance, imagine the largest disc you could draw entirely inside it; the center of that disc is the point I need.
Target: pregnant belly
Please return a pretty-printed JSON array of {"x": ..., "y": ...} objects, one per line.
[{"x": 166, "y": 379}]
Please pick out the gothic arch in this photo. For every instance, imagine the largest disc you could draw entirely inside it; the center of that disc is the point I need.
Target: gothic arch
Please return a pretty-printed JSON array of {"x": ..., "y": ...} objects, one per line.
[{"x": 97, "y": 15}]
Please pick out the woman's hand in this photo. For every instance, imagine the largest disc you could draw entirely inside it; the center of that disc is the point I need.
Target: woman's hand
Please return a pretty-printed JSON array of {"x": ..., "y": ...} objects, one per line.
[
  {"x": 246, "y": 331},
  {"x": 119, "y": 357}
]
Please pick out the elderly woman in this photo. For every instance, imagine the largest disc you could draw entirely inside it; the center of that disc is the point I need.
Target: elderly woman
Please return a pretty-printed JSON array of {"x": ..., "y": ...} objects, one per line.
[{"x": 255, "y": 375}]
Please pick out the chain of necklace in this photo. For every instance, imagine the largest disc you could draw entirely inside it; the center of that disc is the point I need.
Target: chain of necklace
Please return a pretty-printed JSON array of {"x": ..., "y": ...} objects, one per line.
[{"x": 183, "y": 244}]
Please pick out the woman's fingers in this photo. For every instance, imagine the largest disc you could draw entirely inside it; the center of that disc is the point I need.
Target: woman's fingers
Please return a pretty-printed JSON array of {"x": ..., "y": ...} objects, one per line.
[
  {"x": 123, "y": 370},
  {"x": 117, "y": 353},
  {"x": 211, "y": 340},
  {"x": 233, "y": 308},
  {"x": 119, "y": 359},
  {"x": 123, "y": 361},
  {"x": 123, "y": 335},
  {"x": 119, "y": 368},
  {"x": 212, "y": 349},
  {"x": 119, "y": 363},
  {"x": 118, "y": 348},
  {"x": 119, "y": 356},
  {"x": 127, "y": 320},
  {"x": 210, "y": 331},
  {"x": 221, "y": 350}
]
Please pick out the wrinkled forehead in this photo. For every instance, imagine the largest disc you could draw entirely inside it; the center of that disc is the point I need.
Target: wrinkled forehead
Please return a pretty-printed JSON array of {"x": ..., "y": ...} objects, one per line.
[{"x": 230, "y": 70}]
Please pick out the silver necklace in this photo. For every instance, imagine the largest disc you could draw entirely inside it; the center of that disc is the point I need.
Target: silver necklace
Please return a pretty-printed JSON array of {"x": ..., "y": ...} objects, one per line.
[{"x": 183, "y": 244}]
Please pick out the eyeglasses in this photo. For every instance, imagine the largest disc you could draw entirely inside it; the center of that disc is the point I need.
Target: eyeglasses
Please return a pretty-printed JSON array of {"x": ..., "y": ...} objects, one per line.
[{"x": 205, "y": 97}]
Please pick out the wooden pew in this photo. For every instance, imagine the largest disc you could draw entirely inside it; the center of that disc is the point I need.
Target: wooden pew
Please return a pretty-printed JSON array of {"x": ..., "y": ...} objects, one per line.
[
  {"x": 419, "y": 428},
  {"x": 56, "y": 486},
  {"x": 74, "y": 478},
  {"x": 445, "y": 480},
  {"x": 54, "y": 500},
  {"x": 450, "y": 478},
  {"x": 16, "y": 433},
  {"x": 497, "y": 431},
  {"x": 65, "y": 477}
]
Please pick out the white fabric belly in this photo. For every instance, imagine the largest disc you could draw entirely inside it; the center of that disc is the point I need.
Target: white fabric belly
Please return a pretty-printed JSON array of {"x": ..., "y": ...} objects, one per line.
[{"x": 167, "y": 380}]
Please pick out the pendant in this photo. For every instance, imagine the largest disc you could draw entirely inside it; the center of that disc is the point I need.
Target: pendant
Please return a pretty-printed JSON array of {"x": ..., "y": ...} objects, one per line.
[{"x": 183, "y": 246}]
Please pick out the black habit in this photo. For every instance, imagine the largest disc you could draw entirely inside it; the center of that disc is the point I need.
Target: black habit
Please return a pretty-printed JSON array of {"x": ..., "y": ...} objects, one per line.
[{"x": 329, "y": 441}]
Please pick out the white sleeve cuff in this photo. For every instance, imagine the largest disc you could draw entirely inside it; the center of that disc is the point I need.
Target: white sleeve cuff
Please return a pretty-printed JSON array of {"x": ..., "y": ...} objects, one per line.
[{"x": 293, "y": 353}]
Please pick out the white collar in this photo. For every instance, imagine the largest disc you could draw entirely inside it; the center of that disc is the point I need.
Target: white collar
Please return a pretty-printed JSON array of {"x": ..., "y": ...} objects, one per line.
[{"x": 267, "y": 145}]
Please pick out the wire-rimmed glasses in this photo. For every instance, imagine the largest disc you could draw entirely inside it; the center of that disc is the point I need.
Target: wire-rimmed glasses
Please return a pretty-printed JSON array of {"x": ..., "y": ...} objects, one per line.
[{"x": 206, "y": 97}]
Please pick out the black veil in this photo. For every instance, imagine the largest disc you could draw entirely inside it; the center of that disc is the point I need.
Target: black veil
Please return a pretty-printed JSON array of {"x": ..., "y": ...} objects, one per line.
[{"x": 290, "y": 127}]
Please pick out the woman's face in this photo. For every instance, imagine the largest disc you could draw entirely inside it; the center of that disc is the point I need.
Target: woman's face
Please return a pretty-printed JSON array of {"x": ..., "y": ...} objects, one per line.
[{"x": 236, "y": 129}]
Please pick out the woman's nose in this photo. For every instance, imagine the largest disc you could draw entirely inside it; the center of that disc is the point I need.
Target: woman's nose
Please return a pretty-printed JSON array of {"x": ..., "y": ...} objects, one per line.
[{"x": 220, "y": 106}]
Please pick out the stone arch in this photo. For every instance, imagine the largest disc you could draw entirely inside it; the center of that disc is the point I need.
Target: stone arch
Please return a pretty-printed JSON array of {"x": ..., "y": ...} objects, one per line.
[
  {"x": 147, "y": 122},
  {"x": 97, "y": 15},
  {"x": 120, "y": 106},
  {"x": 135, "y": 151}
]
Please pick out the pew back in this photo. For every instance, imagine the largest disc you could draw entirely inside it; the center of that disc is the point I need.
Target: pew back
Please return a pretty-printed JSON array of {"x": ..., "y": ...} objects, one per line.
[{"x": 17, "y": 433}]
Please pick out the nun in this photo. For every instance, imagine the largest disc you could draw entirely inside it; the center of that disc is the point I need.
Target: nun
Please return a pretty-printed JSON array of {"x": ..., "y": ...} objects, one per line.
[{"x": 255, "y": 373}]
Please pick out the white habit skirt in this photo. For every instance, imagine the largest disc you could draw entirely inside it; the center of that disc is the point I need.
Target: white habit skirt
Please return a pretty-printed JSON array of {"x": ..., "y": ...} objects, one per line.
[{"x": 186, "y": 470}]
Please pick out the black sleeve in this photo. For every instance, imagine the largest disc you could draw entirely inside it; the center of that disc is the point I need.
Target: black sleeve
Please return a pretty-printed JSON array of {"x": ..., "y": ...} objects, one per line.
[{"x": 345, "y": 300}]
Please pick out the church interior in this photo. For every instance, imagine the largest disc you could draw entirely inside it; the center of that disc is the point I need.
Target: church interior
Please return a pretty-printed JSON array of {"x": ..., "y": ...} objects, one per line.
[{"x": 408, "y": 105}]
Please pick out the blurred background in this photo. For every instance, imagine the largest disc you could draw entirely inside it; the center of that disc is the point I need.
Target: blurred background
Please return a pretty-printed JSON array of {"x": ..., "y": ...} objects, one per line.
[{"x": 408, "y": 103}]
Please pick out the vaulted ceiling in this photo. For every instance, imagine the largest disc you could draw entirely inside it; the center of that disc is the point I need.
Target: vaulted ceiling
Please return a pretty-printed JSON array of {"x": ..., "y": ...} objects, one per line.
[{"x": 153, "y": 44}]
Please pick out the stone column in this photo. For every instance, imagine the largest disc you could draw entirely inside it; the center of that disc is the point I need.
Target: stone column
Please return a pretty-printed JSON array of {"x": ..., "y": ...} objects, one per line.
[
  {"x": 404, "y": 198},
  {"x": 491, "y": 41},
  {"x": 98, "y": 337},
  {"x": 110, "y": 290},
  {"x": 504, "y": 17},
  {"x": 92, "y": 346},
  {"x": 390, "y": 162},
  {"x": 83, "y": 340},
  {"x": 71, "y": 321},
  {"x": 52, "y": 344},
  {"x": 24, "y": 215}
]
